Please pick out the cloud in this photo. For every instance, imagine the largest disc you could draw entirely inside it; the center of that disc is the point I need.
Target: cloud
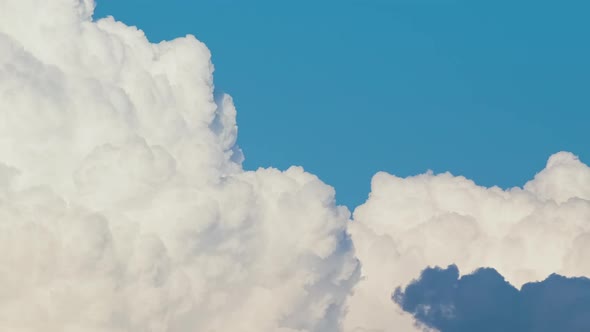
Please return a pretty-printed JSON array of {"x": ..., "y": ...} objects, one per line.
[
  {"x": 526, "y": 233},
  {"x": 124, "y": 206},
  {"x": 485, "y": 301},
  {"x": 123, "y": 203}
]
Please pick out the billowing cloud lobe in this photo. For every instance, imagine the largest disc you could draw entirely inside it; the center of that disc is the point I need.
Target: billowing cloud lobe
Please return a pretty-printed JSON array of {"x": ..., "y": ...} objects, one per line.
[
  {"x": 123, "y": 203},
  {"x": 526, "y": 234}
]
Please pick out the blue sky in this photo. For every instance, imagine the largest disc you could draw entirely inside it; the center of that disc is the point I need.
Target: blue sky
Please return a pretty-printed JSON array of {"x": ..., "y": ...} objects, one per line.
[{"x": 347, "y": 88}]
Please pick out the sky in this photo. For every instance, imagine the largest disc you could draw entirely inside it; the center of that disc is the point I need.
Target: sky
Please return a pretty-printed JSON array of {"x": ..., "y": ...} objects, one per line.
[
  {"x": 488, "y": 90},
  {"x": 126, "y": 204}
]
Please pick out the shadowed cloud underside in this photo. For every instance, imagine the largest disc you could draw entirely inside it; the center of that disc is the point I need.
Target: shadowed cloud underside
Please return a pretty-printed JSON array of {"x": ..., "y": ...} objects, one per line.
[{"x": 484, "y": 301}]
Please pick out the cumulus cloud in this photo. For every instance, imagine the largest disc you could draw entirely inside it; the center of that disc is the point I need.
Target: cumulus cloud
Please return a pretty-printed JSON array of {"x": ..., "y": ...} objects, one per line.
[
  {"x": 123, "y": 203},
  {"x": 484, "y": 301},
  {"x": 524, "y": 233},
  {"x": 124, "y": 206}
]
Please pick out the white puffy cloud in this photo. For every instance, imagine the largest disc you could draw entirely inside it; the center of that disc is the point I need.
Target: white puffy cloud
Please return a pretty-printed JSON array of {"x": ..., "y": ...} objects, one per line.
[
  {"x": 124, "y": 206},
  {"x": 411, "y": 223},
  {"x": 123, "y": 203}
]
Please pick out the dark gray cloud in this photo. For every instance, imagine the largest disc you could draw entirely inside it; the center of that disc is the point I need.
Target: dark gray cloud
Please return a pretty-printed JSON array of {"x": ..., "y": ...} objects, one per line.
[{"x": 485, "y": 302}]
